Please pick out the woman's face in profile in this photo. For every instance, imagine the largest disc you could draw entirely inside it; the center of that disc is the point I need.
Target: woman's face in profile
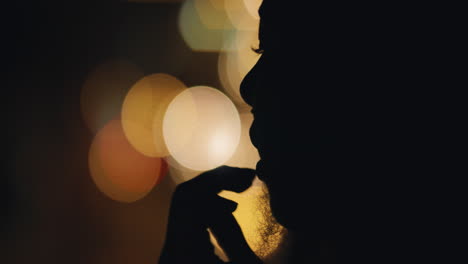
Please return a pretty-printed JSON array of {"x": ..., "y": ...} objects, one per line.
[
  {"x": 267, "y": 135},
  {"x": 269, "y": 89}
]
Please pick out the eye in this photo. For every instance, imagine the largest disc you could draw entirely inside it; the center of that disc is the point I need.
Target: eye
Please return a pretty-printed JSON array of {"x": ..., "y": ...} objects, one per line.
[{"x": 258, "y": 50}]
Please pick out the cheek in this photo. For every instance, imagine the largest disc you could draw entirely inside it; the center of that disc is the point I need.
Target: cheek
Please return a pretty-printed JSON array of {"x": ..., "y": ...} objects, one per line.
[{"x": 284, "y": 208}]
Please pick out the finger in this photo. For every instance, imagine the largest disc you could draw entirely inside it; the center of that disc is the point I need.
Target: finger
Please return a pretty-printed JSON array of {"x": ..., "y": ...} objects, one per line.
[
  {"x": 223, "y": 204},
  {"x": 187, "y": 231},
  {"x": 229, "y": 236},
  {"x": 189, "y": 246},
  {"x": 223, "y": 178}
]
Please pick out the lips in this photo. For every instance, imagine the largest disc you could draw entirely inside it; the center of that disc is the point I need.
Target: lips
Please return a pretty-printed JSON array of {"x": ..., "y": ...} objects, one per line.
[{"x": 260, "y": 169}]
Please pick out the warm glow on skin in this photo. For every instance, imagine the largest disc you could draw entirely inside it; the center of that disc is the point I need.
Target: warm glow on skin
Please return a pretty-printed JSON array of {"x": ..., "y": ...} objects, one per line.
[
  {"x": 104, "y": 90},
  {"x": 119, "y": 171},
  {"x": 246, "y": 213},
  {"x": 201, "y": 128},
  {"x": 261, "y": 232},
  {"x": 143, "y": 112}
]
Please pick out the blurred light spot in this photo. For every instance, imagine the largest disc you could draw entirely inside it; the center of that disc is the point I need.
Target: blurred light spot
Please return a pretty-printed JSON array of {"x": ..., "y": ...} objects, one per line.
[
  {"x": 201, "y": 128},
  {"x": 143, "y": 112},
  {"x": 178, "y": 172},
  {"x": 246, "y": 155},
  {"x": 104, "y": 90},
  {"x": 212, "y": 14},
  {"x": 218, "y": 4},
  {"x": 239, "y": 15},
  {"x": 118, "y": 170},
  {"x": 236, "y": 62},
  {"x": 252, "y": 7},
  {"x": 197, "y": 35},
  {"x": 164, "y": 170}
]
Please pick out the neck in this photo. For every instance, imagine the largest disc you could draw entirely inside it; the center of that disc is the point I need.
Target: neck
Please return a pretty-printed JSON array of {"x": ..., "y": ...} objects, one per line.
[{"x": 306, "y": 249}]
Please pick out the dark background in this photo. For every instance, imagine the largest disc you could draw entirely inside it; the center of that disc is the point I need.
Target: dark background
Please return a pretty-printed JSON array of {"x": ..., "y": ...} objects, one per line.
[{"x": 53, "y": 212}]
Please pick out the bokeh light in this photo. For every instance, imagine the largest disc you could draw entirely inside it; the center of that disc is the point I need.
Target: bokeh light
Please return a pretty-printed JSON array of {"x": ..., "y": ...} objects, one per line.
[
  {"x": 118, "y": 170},
  {"x": 246, "y": 155},
  {"x": 240, "y": 16},
  {"x": 205, "y": 34},
  {"x": 237, "y": 60},
  {"x": 218, "y": 4},
  {"x": 104, "y": 90},
  {"x": 143, "y": 112},
  {"x": 201, "y": 128},
  {"x": 252, "y": 7},
  {"x": 194, "y": 32},
  {"x": 212, "y": 14},
  {"x": 178, "y": 172}
]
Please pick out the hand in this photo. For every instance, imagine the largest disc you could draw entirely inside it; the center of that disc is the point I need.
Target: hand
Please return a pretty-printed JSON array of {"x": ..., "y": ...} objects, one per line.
[{"x": 196, "y": 207}]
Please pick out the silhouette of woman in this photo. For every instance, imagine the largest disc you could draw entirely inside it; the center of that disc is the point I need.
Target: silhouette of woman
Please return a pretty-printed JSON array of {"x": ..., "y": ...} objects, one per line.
[{"x": 339, "y": 128}]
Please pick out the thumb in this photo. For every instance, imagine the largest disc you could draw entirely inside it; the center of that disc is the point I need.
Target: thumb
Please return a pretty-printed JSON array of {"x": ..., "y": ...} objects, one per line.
[{"x": 229, "y": 236}]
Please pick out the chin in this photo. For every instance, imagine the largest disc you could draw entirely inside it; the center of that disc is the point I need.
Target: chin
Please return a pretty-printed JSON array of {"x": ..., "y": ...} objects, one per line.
[
  {"x": 279, "y": 208},
  {"x": 283, "y": 215},
  {"x": 290, "y": 211},
  {"x": 286, "y": 201}
]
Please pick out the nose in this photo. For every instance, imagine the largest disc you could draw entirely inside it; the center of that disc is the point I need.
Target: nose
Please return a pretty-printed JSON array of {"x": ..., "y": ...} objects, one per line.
[{"x": 249, "y": 83}]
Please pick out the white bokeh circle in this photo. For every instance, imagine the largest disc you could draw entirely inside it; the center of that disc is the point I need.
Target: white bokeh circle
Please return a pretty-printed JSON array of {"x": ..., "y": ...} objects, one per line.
[{"x": 201, "y": 128}]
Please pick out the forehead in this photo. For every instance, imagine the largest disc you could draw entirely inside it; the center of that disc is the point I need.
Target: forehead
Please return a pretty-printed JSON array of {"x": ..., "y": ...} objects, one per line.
[{"x": 277, "y": 19}]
